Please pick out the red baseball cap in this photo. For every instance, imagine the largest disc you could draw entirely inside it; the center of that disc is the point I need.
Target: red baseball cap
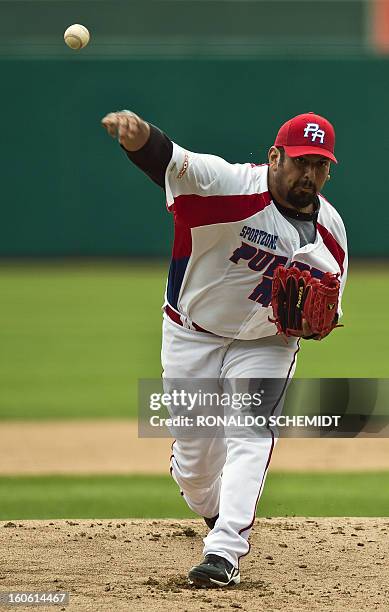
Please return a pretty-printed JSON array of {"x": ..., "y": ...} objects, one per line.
[{"x": 307, "y": 134}]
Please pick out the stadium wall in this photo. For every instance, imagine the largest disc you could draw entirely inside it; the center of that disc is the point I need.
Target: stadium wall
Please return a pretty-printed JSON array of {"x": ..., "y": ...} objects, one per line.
[{"x": 67, "y": 189}]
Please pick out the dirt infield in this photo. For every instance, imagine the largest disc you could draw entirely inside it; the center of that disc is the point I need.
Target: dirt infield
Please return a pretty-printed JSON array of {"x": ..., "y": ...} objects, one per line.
[
  {"x": 113, "y": 447},
  {"x": 298, "y": 564}
]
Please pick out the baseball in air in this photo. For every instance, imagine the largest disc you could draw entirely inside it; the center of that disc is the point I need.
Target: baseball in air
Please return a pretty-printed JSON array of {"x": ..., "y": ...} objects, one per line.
[{"x": 76, "y": 36}]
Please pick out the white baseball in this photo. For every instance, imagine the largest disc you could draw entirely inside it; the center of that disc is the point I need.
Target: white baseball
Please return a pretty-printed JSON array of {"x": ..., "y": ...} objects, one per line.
[{"x": 76, "y": 36}]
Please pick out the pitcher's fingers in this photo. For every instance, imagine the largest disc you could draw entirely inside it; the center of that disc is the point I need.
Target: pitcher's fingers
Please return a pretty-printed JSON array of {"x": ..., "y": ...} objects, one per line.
[
  {"x": 307, "y": 331},
  {"x": 123, "y": 126},
  {"x": 110, "y": 122}
]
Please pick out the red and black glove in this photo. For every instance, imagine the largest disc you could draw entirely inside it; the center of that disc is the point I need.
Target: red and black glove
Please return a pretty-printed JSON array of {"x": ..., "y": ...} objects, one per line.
[{"x": 297, "y": 297}]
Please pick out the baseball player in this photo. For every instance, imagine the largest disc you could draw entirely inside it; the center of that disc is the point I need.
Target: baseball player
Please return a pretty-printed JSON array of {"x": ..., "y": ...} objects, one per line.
[{"x": 235, "y": 224}]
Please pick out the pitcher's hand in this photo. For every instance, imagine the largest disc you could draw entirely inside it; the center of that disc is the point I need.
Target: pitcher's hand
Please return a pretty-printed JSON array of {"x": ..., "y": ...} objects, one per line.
[{"x": 131, "y": 131}]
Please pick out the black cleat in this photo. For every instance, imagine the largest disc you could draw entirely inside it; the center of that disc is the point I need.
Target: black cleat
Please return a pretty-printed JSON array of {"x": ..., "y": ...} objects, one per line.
[
  {"x": 214, "y": 571},
  {"x": 210, "y": 522}
]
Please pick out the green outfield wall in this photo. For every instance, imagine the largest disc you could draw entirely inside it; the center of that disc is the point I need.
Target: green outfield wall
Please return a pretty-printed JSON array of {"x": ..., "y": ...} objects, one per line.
[{"x": 67, "y": 188}]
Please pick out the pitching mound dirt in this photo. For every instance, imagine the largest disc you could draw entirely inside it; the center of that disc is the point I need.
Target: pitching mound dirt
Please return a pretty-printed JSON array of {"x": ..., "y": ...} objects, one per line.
[{"x": 296, "y": 564}]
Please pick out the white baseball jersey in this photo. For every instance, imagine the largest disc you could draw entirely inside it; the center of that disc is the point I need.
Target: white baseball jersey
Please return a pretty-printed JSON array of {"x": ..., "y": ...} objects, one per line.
[{"x": 229, "y": 238}]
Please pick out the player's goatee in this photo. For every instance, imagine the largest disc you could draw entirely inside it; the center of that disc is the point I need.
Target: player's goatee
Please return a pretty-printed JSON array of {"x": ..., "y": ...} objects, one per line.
[{"x": 300, "y": 199}]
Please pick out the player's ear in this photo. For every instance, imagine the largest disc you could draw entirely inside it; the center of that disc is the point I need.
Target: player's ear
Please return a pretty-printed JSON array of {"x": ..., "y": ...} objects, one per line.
[{"x": 273, "y": 157}]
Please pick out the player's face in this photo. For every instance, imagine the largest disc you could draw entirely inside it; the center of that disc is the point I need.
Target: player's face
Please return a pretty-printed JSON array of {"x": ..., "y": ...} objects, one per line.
[{"x": 299, "y": 179}]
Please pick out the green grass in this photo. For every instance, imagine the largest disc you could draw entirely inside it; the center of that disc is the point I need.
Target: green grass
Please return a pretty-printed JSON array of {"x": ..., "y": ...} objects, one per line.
[
  {"x": 348, "y": 494},
  {"x": 75, "y": 338}
]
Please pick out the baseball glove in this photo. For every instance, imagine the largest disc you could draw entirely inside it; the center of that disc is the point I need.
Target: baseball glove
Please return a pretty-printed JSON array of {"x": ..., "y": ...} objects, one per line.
[{"x": 298, "y": 296}]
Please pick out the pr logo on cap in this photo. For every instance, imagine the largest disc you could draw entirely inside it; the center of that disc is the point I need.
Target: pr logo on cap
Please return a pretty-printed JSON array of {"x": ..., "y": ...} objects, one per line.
[{"x": 313, "y": 130}]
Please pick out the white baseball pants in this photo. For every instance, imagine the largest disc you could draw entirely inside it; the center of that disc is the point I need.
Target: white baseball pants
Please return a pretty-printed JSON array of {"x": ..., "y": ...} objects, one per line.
[{"x": 223, "y": 476}]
